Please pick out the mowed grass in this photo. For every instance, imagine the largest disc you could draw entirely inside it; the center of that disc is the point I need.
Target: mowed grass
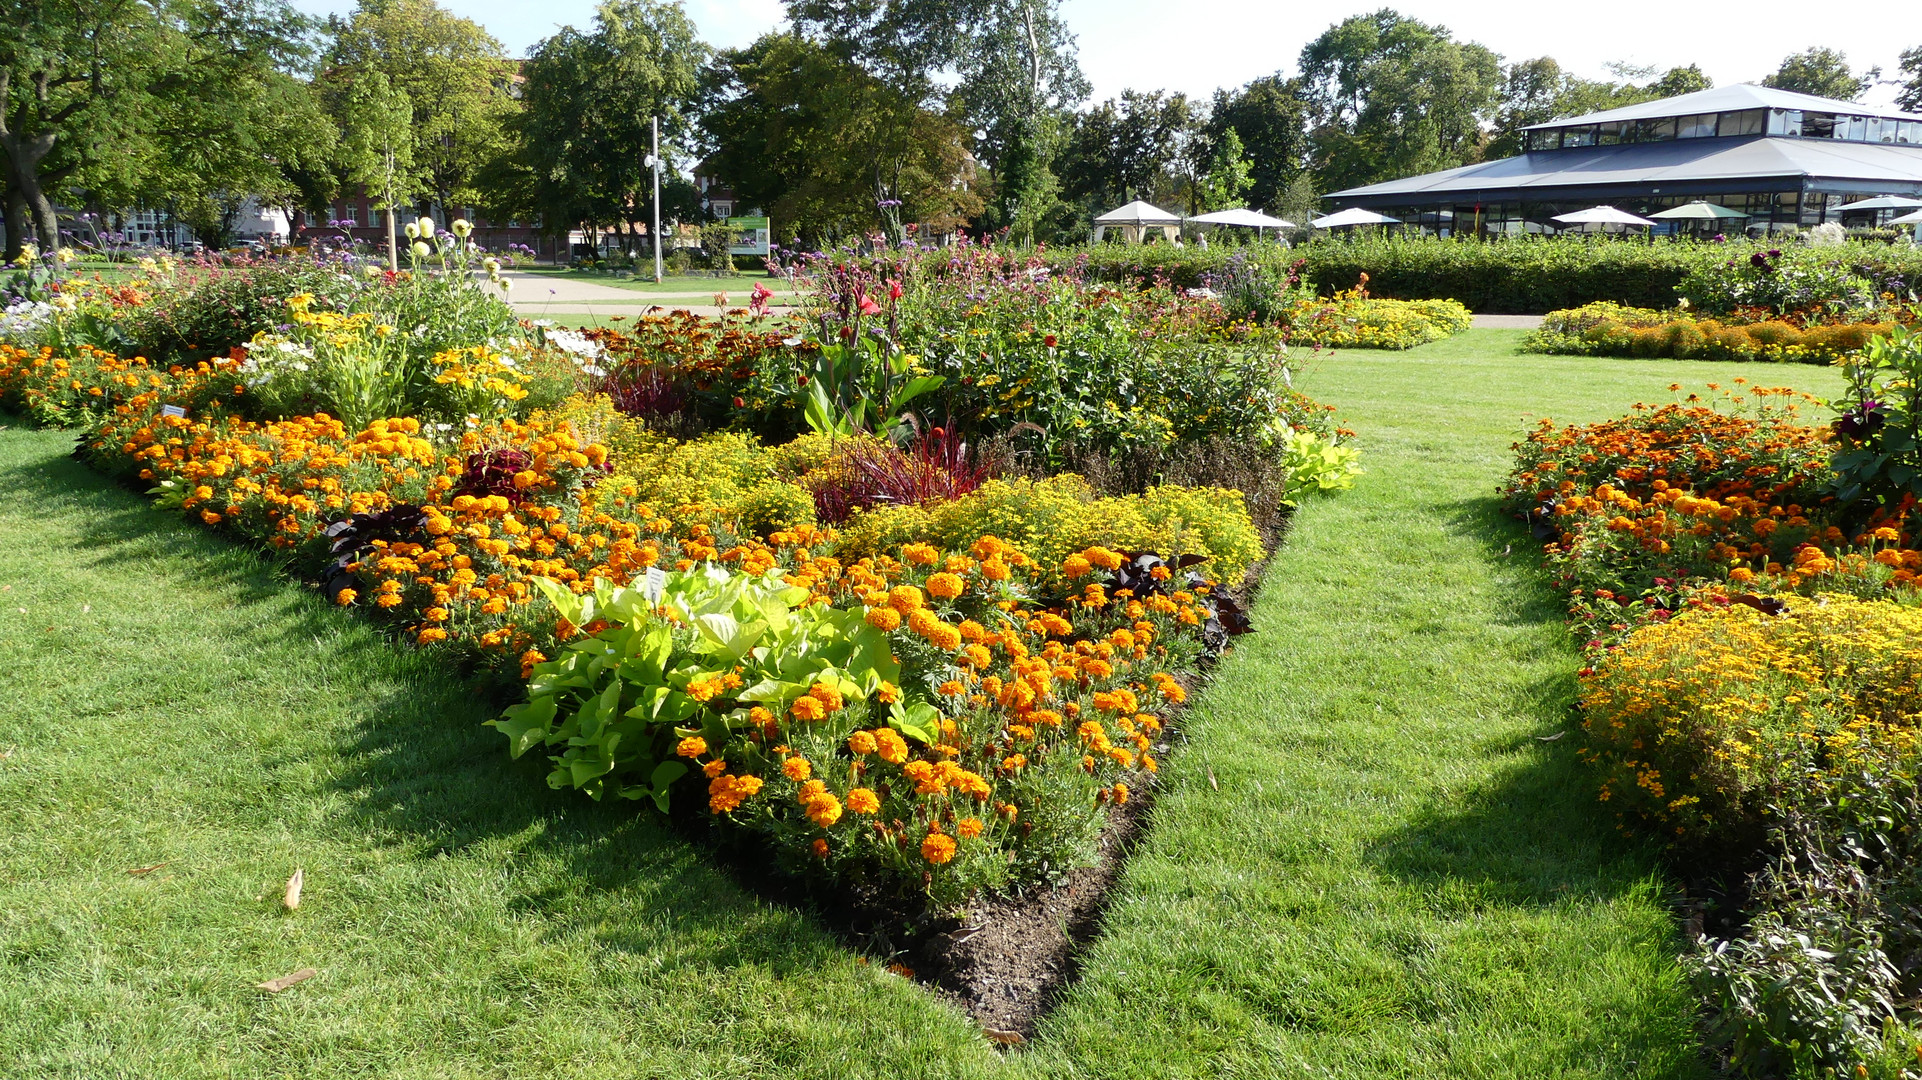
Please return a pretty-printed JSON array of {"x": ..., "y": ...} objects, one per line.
[{"x": 1365, "y": 863}]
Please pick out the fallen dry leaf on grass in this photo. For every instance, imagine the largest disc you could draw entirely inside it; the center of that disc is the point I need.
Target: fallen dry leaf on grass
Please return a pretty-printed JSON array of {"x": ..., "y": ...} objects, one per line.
[
  {"x": 275, "y": 986},
  {"x": 291, "y": 897},
  {"x": 140, "y": 871},
  {"x": 1211, "y": 780},
  {"x": 1550, "y": 738},
  {"x": 1005, "y": 1038}
]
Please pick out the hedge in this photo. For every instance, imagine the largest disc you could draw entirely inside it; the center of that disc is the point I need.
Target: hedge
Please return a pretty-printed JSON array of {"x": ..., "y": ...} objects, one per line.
[{"x": 1522, "y": 276}]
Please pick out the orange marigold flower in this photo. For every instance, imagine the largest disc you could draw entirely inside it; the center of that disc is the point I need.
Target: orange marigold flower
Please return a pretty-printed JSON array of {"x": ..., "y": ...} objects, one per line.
[
  {"x": 796, "y": 768},
  {"x": 1120, "y": 794},
  {"x": 863, "y": 801},
  {"x": 861, "y": 742},
  {"x": 828, "y": 696},
  {"x": 946, "y": 586},
  {"x": 1075, "y": 566},
  {"x": 824, "y": 809},
  {"x": 938, "y": 848},
  {"x": 920, "y": 554},
  {"x": 714, "y": 768},
  {"x": 968, "y": 827},
  {"x": 888, "y": 693},
  {"x": 345, "y": 597},
  {"x": 808, "y": 709},
  {"x": 692, "y": 746},
  {"x": 905, "y": 599},
  {"x": 951, "y": 688},
  {"x": 890, "y": 745},
  {"x": 820, "y": 848},
  {"x": 431, "y": 635},
  {"x": 884, "y": 618}
]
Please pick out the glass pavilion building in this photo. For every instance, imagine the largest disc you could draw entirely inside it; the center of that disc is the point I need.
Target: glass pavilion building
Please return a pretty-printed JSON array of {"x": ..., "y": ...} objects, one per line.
[{"x": 1782, "y": 158}]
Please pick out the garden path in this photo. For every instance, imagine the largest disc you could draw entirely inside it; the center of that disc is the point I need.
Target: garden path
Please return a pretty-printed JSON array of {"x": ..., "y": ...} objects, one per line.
[{"x": 1368, "y": 861}]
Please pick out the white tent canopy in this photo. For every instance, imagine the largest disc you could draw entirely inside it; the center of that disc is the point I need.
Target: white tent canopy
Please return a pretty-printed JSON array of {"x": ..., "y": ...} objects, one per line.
[
  {"x": 1881, "y": 202},
  {"x": 1700, "y": 211},
  {"x": 1602, "y": 215},
  {"x": 1354, "y": 215},
  {"x": 1135, "y": 217},
  {"x": 1242, "y": 216},
  {"x": 1907, "y": 219}
]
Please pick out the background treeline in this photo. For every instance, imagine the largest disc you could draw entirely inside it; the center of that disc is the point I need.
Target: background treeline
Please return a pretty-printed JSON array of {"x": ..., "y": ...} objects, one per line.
[{"x": 865, "y": 117}]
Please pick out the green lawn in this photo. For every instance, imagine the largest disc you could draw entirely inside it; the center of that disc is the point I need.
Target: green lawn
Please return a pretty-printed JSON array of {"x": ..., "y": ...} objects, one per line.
[{"x": 1366, "y": 863}]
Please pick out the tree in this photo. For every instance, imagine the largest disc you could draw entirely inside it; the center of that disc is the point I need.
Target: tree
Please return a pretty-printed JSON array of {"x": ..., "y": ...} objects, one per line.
[
  {"x": 1269, "y": 117},
  {"x": 1128, "y": 149},
  {"x": 1225, "y": 178},
  {"x": 828, "y": 148},
  {"x": 194, "y": 103},
  {"x": 376, "y": 143},
  {"x": 1537, "y": 91},
  {"x": 1823, "y": 73},
  {"x": 70, "y": 70},
  {"x": 454, "y": 76},
  {"x": 1392, "y": 96},
  {"x": 1015, "y": 62},
  {"x": 585, "y": 130},
  {"x": 1910, "y": 95}
]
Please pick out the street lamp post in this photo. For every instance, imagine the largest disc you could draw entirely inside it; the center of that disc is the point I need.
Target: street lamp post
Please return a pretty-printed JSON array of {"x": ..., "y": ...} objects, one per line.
[{"x": 654, "y": 163}]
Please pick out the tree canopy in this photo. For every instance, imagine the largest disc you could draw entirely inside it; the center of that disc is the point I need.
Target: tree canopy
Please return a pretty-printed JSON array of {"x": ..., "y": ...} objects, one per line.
[{"x": 1822, "y": 72}]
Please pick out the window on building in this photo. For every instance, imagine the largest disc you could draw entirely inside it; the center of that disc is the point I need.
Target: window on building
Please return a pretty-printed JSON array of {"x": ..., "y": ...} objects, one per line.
[
  {"x": 1747, "y": 122},
  {"x": 1660, "y": 129},
  {"x": 1700, "y": 126},
  {"x": 1578, "y": 136},
  {"x": 1817, "y": 125},
  {"x": 1550, "y": 139},
  {"x": 1610, "y": 134}
]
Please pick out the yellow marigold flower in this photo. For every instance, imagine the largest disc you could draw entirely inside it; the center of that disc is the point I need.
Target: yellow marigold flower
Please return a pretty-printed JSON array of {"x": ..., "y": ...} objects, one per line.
[
  {"x": 938, "y": 848},
  {"x": 692, "y": 746},
  {"x": 796, "y": 768},
  {"x": 1102, "y": 557},
  {"x": 946, "y": 586},
  {"x": 863, "y": 801}
]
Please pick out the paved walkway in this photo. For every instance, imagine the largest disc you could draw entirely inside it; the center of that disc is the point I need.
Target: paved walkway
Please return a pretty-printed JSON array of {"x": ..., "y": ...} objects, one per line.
[{"x": 1508, "y": 322}]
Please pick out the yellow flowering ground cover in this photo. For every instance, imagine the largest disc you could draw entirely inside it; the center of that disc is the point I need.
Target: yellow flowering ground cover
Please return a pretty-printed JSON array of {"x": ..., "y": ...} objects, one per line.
[{"x": 1698, "y": 723}]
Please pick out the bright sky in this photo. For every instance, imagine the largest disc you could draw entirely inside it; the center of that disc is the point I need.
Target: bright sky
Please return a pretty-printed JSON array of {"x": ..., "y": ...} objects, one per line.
[{"x": 1147, "y": 45}]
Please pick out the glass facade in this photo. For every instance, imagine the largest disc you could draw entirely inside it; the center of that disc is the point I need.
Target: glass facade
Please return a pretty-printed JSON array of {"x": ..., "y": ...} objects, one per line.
[
  {"x": 1768, "y": 212},
  {"x": 1796, "y": 123}
]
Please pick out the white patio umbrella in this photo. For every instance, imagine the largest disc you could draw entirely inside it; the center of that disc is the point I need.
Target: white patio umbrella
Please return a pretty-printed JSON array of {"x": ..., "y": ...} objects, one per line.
[
  {"x": 1133, "y": 218},
  {"x": 1602, "y": 215},
  {"x": 1354, "y": 215},
  {"x": 1700, "y": 211},
  {"x": 1914, "y": 218},
  {"x": 1242, "y": 216},
  {"x": 1881, "y": 202}
]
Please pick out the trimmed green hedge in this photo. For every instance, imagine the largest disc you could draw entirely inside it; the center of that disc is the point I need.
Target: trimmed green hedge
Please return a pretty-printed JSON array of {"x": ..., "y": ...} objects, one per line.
[{"x": 1523, "y": 276}]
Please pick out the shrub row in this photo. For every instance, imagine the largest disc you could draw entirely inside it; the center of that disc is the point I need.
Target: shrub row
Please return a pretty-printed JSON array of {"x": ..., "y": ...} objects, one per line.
[
  {"x": 1608, "y": 329},
  {"x": 1520, "y": 276}
]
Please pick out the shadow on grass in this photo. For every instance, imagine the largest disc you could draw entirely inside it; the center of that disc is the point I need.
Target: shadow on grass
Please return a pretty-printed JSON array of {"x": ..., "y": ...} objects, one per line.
[
  {"x": 1536, "y": 836},
  {"x": 420, "y": 770}
]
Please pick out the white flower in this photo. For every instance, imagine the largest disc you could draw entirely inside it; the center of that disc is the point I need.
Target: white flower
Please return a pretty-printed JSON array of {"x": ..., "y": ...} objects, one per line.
[
  {"x": 424, "y": 226},
  {"x": 461, "y": 227},
  {"x": 420, "y": 249}
]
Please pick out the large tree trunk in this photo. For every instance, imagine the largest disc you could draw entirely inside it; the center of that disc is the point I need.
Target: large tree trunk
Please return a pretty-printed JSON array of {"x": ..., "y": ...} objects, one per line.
[
  {"x": 16, "y": 211},
  {"x": 23, "y": 168}
]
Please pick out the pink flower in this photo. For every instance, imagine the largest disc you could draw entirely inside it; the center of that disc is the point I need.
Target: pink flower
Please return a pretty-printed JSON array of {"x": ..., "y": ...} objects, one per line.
[{"x": 869, "y": 307}]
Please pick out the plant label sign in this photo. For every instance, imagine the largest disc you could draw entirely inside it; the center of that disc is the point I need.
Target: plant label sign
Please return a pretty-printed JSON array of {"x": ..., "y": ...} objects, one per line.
[
  {"x": 655, "y": 584},
  {"x": 173, "y": 410}
]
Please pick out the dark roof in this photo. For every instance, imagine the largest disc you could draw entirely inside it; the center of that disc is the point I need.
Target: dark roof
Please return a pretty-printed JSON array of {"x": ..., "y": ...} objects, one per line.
[
  {"x": 1726, "y": 99},
  {"x": 1686, "y": 164}
]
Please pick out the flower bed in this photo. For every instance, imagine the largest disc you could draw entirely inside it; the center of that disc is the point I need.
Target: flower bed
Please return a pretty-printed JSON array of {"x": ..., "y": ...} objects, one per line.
[
  {"x": 946, "y": 696},
  {"x": 1746, "y": 586},
  {"x": 1606, "y": 329}
]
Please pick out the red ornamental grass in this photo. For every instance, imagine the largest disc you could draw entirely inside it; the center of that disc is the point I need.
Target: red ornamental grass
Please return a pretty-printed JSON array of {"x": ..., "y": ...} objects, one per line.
[{"x": 939, "y": 465}]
